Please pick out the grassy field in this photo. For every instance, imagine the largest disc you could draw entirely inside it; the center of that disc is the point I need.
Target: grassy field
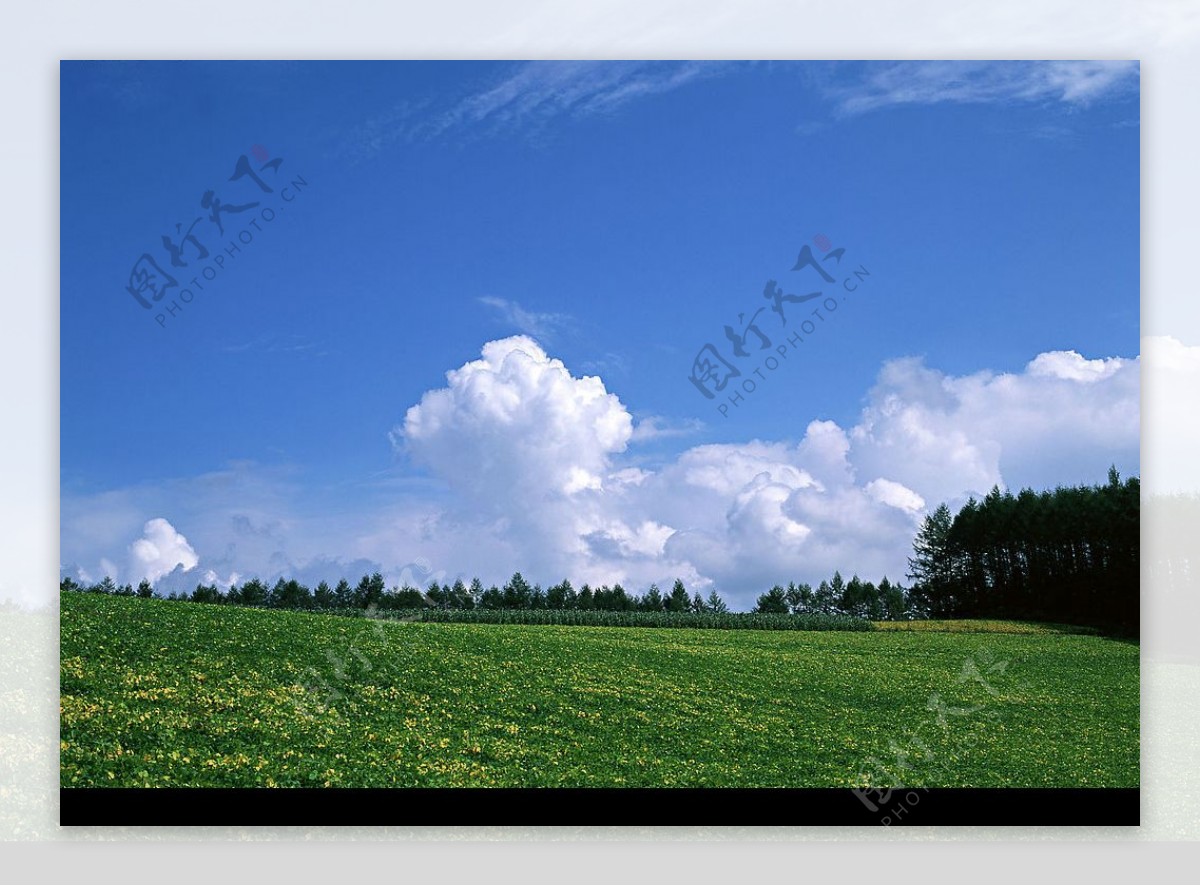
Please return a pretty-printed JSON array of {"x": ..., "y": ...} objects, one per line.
[
  {"x": 158, "y": 693},
  {"x": 982, "y": 626}
]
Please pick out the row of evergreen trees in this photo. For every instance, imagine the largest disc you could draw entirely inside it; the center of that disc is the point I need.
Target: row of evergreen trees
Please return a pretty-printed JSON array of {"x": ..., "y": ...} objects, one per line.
[
  {"x": 372, "y": 592},
  {"x": 1069, "y": 555},
  {"x": 835, "y": 597},
  {"x": 863, "y": 599}
]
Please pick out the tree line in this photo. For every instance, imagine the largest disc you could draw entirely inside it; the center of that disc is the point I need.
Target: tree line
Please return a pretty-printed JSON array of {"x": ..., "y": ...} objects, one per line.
[
  {"x": 835, "y": 597},
  {"x": 860, "y": 599},
  {"x": 1068, "y": 555},
  {"x": 372, "y": 592}
]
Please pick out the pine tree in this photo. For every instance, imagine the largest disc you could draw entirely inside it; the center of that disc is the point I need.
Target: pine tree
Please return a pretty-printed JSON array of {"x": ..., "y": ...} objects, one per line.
[
  {"x": 823, "y": 598},
  {"x": 323, "y": 596},
  {"x": 517, "y": 592},
  {"x": 254, "y": 593},
  {"x": 679, "y": 600},
  {"x": 930, "y": 566},
  {"x": 773, "y": 601},
  {"x": 714, "y": 603},
  {"x": 492, "y": 598}
]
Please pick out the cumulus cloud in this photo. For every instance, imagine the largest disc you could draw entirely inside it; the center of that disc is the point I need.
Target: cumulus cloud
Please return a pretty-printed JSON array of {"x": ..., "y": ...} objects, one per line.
[
  {"x": 537, "y": 452},
  {"x": 159, "y": 551},
  {"x": 534, "y": 467},
  {"x": 1064, "y": 419},
  {"x": 517, "y": 421},
  {"x": 525, "y": 445},
  {"x": 750, "y": 515},
  {"x": 895, "y": 494},
  {"x": 1072, "y": 366}
]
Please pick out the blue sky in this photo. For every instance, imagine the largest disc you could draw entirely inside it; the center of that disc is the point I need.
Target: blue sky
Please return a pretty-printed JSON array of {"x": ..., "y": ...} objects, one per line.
[{"x": 618, "y": 215}]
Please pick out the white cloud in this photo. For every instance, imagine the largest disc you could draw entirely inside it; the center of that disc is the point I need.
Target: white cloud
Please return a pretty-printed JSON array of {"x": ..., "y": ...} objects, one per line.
[
  {"x": 895, "y": 494},
  {"x": 538, "y": 91},
  {"x": 1063, "y": 420},
  {"x": 525, "y": 96},
  {"x": 536, "y": 450},
  {"x": 533, "y": 470},
  {"x": 729, "y": 468},
  {"x": 212, "y": 578},
  {"x": 933, "y": 82},
  {"x": 1070, "y": 365},
  {"x": 516, "y": 421},
  {"x": 159, "y": 551},
  {"x": 745, "y": 515}
]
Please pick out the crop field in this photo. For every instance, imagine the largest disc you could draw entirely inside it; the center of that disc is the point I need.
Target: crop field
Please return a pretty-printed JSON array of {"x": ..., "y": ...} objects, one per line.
[{"x": 157, "y": 693}]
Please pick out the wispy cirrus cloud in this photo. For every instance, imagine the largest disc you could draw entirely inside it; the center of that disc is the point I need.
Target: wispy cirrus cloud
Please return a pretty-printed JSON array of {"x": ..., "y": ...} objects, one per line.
[
  {"x": 530, "y": 96},
  {"x": 527, "y": 96},
  {"x": 539, "y": 324},
  {"x": 536, "y": 92},
  {"x": 1077, "y": 83},
  {"x": 276, "y": 344}
]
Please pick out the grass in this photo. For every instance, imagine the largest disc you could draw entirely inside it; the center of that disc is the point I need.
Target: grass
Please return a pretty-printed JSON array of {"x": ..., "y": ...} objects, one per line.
[
  {"x": 983, "y": 626},
  {"x": 753, "y": 621},
  {"x": 157, "y": 693}
]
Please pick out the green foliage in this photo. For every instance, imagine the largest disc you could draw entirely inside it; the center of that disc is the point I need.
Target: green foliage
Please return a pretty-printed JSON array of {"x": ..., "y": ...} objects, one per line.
[
  {"x": 253, "y": 593},
  {"x": 773, "y": 601},
  {"x": 206, "y": 594},
  {"x": 1067, "y": 555},
  {"x": 517, "y": 593},
  {"x": 652, "y": 600},
  {"x": 369, "y": 592},
  {"x": 678, "y": 601},
  {"x": 162, "y": 694},
  {"x": 324, "y": 597}
]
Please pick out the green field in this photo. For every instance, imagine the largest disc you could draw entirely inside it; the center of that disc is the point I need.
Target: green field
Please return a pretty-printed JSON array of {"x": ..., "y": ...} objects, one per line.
[{"x": 159, "y": 693}]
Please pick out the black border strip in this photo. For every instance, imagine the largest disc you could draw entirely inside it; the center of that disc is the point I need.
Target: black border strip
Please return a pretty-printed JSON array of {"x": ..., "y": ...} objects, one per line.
[{"x": 409, "y": 807}]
